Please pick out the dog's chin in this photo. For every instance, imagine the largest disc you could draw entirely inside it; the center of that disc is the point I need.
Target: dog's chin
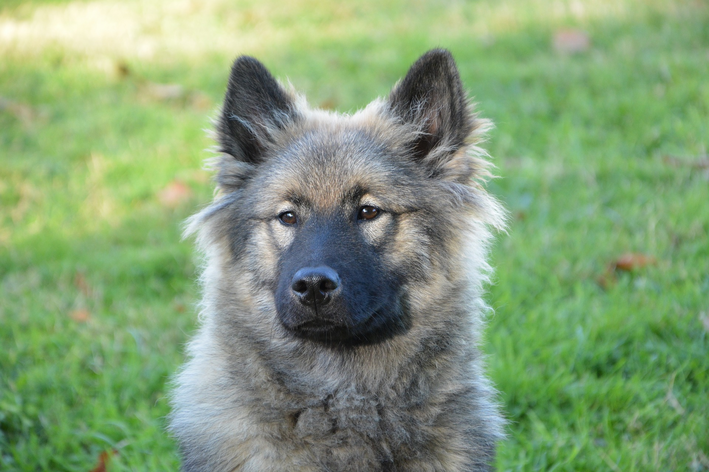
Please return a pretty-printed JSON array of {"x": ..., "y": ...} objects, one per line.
[{"x": 376, "y": 328}]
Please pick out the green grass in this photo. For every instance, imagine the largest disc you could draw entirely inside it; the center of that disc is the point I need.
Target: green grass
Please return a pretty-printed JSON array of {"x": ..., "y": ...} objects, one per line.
[{"x": 597, "y": 152}]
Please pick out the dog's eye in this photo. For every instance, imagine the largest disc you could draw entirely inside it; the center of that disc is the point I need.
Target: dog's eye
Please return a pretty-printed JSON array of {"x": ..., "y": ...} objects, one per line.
[
  {"x": 288, "y": 218},
  {"x": 368, "y": 212}
]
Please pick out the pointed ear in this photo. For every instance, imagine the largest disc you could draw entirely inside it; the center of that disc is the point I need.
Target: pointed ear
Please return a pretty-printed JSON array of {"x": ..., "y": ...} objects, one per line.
[
  {"x": 255, "y": 107},
  {"x": 432, "y": 99}
]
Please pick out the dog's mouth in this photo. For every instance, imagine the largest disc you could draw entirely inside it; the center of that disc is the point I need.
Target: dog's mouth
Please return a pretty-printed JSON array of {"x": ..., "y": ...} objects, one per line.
[
  {"x": 318, "y": 325},
  {"x": 323, "y": 330},
  {"x": 377, "y": 327}
]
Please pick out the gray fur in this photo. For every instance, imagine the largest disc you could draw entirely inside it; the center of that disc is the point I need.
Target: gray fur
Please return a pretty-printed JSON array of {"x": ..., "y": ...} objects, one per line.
[{"x": 254, "y": 397}]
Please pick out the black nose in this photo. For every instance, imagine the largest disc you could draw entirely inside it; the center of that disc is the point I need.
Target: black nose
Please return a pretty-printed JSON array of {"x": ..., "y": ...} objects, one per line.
[{"x": 315, "y": 285}]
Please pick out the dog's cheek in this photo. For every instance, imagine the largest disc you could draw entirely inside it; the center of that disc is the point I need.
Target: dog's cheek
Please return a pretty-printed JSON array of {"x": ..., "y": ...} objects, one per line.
[
  {"x": 377, "y": 232},
  {"x": 280, "y": 234},
  {"x": 267, "y": 244},
  {"x": 407, "y": 249}
]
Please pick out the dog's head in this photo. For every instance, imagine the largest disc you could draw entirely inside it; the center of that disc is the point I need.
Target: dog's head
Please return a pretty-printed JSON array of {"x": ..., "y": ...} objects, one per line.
[{"x": 340, "y": 221}]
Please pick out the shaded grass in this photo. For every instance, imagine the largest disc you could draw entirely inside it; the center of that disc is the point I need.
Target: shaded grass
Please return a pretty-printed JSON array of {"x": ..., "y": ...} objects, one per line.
[{"x": 591, "y": 378}]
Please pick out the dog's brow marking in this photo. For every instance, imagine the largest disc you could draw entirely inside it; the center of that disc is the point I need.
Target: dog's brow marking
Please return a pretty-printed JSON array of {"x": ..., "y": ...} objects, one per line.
[
  {"x": 298, "y": 199},
  {"x": 354, "y": 194}
]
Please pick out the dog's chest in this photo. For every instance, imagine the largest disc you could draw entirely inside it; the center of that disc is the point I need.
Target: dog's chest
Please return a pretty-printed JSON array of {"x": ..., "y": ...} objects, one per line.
[
  {"x": 337, "y": 413},
  {"x": 354, "y": 432}
]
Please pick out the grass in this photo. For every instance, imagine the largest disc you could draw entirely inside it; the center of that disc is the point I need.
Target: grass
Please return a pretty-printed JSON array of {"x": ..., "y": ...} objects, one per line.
[{"x": 602, "y": 152}]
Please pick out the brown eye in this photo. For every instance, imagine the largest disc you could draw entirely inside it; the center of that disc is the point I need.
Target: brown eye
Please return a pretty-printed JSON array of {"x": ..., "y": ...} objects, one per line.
[
  {"x": 368, "y": 212},
  {"x": 288, "y": 218}
]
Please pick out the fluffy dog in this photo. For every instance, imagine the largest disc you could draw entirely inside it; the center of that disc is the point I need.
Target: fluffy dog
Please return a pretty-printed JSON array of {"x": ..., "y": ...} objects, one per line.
[{"x": 345, "y": 258}]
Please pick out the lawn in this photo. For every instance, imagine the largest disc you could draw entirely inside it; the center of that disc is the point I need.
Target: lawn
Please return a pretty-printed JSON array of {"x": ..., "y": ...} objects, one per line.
[{"x": 599, "y": 343}]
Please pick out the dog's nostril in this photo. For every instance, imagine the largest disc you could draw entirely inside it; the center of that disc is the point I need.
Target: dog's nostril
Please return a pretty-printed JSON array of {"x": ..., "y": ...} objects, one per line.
[
  {"x": 300, "y": 286},
  {"x": 328, "y": 285},
  {"x": 315, "y": 285}
]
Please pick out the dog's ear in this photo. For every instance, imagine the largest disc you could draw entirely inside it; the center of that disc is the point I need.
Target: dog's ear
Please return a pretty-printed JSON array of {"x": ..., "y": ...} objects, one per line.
[
  {"x": 432, "y": 99},
  {"x": 255, "y": 107}
]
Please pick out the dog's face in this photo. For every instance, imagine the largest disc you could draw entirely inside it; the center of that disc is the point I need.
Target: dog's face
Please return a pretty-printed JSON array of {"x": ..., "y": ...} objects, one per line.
[
  {"x": 339, "y": 219},
  {"x": 334, "y": 203},
  {"x": 332, "y": 228}
]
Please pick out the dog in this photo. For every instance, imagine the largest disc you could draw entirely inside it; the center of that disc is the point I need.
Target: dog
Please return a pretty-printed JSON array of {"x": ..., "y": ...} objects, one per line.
[{"x": 344, "y": 268}]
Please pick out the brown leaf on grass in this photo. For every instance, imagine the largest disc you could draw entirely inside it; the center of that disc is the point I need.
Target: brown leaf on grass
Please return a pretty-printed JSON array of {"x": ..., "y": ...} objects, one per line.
[
  {"x": 571, "y": 41},
  {"x": 103, "y": 459},
  {"x": 627, "y": 263},
  {"x": 631, "y": 261},
  {"x": 81, "y": 315},
  {"x": 701, "y": 162},
  {"x": 174, "y": 194}
]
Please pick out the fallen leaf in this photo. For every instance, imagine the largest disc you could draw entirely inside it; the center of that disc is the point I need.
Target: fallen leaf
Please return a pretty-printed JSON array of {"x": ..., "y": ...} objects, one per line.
[
  {"x": 81, "y": 315},
  {"x": 626, "y": 262},
  {"x": 174, "y": 194},
  {"x": 632, "y": 261},
  {"x": 103, "y": 459},
  {"x": 571, "y": 41}
]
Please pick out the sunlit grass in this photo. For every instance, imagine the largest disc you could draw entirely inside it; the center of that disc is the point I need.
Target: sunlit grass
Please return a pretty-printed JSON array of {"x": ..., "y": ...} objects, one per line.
[
  {"x": 161, "y": 29},
  {"x": 103, "y": 106}
]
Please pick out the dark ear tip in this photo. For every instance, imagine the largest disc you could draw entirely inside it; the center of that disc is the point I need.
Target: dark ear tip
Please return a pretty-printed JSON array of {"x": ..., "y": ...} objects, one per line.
[
  {"x": 245, "y": 63},
  {"x": 438, "y": 53},
  {"x": 436, "y": 57},
  {"x": 430, "y": 68}
]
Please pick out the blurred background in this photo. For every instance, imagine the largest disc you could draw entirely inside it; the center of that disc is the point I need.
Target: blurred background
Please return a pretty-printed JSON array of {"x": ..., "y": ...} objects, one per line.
[{"x": 598, "y": 342}]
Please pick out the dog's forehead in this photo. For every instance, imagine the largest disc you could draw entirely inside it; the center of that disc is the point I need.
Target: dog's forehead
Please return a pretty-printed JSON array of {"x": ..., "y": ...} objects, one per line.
[{"x": 325, "y": 166}]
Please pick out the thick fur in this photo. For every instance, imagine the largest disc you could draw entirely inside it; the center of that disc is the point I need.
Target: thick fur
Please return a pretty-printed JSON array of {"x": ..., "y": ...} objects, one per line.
[{"x": 393, "y": 379}]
